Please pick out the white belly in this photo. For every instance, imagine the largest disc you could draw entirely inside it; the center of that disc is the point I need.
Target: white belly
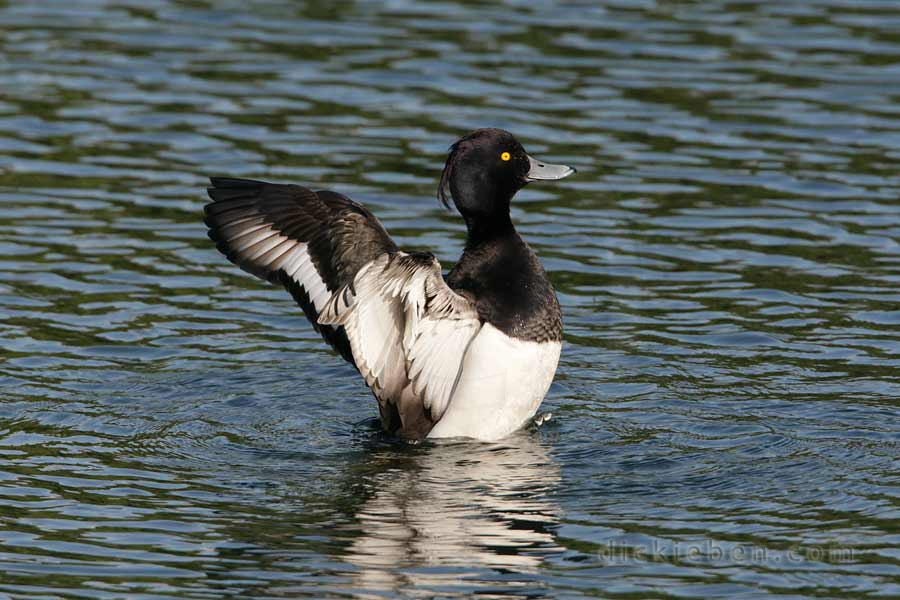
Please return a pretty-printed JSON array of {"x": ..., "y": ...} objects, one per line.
[{"x": 501, "y": 384}]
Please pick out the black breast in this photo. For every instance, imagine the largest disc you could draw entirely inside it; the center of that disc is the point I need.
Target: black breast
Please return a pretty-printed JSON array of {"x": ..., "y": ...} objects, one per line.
[{"x": 510, "y": 288}]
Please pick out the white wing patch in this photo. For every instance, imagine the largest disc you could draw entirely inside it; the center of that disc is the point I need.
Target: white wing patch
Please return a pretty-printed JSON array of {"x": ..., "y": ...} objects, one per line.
[
  {"x": 435, "y": 358},
  {"x": 260, "y": 249},
  {"x": 406, "y": 328}
]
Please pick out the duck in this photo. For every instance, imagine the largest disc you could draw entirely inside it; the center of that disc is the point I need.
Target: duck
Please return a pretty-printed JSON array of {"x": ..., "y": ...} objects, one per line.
[{"x": 467, "y": 355}]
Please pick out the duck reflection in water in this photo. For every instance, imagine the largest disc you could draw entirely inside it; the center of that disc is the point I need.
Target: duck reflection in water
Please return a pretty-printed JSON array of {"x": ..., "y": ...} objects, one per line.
[{"x": 457, "y": 504}]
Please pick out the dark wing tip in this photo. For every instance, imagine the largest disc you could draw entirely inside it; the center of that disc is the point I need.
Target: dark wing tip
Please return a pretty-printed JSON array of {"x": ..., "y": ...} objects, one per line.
[
  {"x": 207, "y": 208},
  {"x": 225, "y": 188},
  {"x": 236, "y": 182}
]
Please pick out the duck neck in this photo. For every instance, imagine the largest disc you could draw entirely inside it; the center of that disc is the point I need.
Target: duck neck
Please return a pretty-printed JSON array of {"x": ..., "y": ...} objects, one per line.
[{"x": 485, "y": 229}]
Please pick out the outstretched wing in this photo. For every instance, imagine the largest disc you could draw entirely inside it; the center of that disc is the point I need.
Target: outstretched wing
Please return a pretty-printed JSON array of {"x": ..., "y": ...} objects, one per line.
[
  {"x": 408, "y": 332},
  {"x": 313, "y": 243}
]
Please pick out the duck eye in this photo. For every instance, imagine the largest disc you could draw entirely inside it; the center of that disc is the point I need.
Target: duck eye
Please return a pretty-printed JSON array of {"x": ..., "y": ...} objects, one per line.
[{"x": 505, "y": 156}]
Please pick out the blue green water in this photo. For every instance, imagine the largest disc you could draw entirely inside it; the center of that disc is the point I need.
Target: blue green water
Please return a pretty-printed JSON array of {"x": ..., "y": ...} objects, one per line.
[{"x": 725, "y": 415}]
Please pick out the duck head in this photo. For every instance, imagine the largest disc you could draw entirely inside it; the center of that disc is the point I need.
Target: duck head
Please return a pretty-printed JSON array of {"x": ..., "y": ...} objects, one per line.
[{"x": 485, "y": 169}]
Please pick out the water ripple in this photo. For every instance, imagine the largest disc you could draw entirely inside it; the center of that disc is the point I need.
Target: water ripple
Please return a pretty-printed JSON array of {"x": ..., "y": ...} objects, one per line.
[{"x": 725, "y": 415}]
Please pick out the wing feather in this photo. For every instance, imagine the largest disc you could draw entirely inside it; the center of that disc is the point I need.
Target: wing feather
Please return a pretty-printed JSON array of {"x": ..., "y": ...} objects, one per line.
[
  {"x": 311, "y": 242},
  {"x": 388, "y": 312},
  {"x": 408, "y": 330}
]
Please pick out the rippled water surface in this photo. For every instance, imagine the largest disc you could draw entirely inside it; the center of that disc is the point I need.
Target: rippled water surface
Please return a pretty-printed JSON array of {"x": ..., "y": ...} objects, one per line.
[{"x": 725, "y": 416}]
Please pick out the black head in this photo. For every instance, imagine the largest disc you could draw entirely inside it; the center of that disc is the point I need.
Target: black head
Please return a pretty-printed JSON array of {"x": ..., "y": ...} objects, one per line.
[{"x": 485, "y": 169}]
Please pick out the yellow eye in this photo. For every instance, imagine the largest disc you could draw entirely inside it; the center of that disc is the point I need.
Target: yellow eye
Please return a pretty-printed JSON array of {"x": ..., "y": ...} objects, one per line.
[{"x": 505, "y": 156}]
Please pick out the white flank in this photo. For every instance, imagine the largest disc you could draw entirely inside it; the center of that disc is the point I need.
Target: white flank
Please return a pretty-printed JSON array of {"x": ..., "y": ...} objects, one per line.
[{"x": 502, "y": 383}]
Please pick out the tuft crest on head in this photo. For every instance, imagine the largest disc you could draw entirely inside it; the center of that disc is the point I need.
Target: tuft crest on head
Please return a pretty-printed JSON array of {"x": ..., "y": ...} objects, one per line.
[
  {"x": 444, "y": 194},
  {"x": 485, "y": 169},
  {"x": 479, "y": 138}
]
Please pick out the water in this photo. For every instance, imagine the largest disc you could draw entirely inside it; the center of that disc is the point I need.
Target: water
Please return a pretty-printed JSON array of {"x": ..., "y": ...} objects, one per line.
[{"x": 725, "y": 416}]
